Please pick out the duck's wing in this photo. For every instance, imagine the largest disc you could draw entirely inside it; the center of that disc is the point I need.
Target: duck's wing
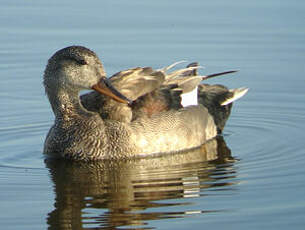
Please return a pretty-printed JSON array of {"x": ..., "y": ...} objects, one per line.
[
  {"x": 140, "y": 81},
  {"x": 167, "y": 95},
  {"x": 136, "y": 82},
  {"x": 152, "y": 91}
]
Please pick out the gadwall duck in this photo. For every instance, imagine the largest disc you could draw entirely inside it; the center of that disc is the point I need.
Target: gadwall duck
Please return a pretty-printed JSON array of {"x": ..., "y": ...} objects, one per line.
[{"x": 136, "y": 112}]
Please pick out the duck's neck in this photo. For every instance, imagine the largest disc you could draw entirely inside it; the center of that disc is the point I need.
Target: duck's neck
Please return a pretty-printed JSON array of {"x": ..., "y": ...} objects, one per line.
[{"x": 66, "y": 105}]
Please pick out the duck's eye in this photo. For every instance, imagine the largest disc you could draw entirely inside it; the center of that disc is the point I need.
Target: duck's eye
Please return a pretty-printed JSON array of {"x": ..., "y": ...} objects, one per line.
[{"x": 81, "y": 61}]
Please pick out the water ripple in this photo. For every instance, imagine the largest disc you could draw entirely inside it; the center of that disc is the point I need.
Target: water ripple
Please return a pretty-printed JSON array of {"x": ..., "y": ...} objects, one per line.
[
  {"x": 269, "y": 143},
  {"x": 19, "y": 145}
]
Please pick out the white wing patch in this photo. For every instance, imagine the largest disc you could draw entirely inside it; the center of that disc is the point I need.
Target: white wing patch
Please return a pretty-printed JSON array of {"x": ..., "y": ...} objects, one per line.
[{"x": 190, "y": 98}]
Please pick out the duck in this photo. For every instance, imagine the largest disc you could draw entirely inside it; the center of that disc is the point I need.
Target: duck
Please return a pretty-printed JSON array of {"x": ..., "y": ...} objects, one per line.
[{"x": 137, "y": 112}]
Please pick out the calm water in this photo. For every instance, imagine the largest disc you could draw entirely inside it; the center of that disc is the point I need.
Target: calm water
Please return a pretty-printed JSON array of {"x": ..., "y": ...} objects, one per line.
[{"x": 252, "y": 178}]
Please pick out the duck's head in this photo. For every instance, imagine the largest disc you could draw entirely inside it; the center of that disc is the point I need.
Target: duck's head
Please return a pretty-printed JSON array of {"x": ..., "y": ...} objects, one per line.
[{"x": 77, "y": 68}]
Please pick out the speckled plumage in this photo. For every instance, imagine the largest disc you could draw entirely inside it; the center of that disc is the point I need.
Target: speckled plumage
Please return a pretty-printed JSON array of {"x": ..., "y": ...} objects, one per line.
[{"x": 101, "y": 128}]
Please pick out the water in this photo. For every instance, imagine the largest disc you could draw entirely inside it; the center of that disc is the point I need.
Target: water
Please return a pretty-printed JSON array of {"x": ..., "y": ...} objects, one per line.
[{"x": 253, "y": 178}]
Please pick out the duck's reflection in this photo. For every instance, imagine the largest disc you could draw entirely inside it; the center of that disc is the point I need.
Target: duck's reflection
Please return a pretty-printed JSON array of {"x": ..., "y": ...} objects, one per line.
[{"x": 110, "y": 194}]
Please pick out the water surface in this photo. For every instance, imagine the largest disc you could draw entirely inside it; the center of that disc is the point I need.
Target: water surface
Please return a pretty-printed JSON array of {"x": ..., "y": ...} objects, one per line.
[{"x": 252, "y": 178}]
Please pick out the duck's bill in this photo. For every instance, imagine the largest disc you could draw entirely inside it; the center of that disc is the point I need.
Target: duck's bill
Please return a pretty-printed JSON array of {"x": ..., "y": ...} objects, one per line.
[{"x": 104, "y": 87}]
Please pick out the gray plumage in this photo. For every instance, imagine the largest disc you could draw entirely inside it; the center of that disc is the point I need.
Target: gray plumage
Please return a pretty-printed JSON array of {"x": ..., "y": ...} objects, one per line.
[{"x": 102, "y": 128}]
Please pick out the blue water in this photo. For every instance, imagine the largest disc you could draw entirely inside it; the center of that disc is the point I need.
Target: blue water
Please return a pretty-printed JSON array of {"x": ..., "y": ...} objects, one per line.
[{"x": 254, "y": 180}]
